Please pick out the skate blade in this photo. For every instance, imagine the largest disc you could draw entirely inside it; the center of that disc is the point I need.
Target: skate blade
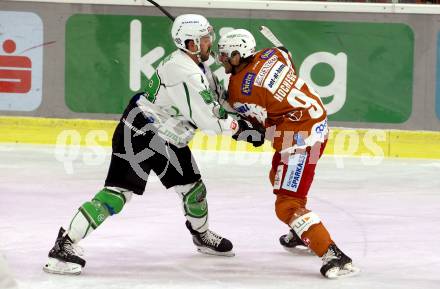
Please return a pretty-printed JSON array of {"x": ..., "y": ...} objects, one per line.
[
  {"x": 209, "y": 251},
  {"x": 55, "y": 266},
  {"x": 348, "y": 271},
  {"x": 299, "y": 251}
]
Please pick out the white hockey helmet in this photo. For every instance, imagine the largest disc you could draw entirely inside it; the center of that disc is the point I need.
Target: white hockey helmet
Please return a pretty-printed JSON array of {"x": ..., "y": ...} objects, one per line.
[
  {"x": 240, "y": 40},
  {"x": 191, "y": 27}
]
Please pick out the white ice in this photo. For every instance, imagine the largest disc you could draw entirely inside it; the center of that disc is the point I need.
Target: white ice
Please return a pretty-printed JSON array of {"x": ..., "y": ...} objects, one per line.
[{"x": 382, "y": 213}]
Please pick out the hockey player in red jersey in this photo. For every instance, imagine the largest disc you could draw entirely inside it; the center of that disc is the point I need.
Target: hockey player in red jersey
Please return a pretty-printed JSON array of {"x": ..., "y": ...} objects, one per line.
[{"x": 265, "y": 89}]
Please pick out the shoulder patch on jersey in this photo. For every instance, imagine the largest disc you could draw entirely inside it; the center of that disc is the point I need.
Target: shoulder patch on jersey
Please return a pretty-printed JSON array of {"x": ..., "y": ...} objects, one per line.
[
  {"x": 267, "y": 53},
  {"x": 153, "y": 87},
  {"x": 247, "y": 83},
  {"x": 264, "y": 70}
]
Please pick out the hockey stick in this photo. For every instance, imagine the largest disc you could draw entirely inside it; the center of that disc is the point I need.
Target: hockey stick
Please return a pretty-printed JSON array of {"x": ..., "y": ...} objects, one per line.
[
  {"x": 212, "y": 53},
  {"x": 172, "y": 18},
  {"x": 162, "y": 10},
  {"x": 270, "y": 36},
  {"x": 263, "y": 29}
]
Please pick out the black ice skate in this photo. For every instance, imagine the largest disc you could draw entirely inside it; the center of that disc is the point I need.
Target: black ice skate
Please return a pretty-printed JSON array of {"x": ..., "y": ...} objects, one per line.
[
  {"x": 336, "y": 264},
  {"x": 293, "y": 244},
  {"x": 210, "y": 243},
  {"x": 63, "y": 257}
]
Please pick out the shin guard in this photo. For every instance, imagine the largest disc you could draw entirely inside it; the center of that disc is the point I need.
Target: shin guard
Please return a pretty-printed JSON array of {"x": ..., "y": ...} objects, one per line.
[
  {"x": 195, "y": 206},
  {"x": 92, "y": 214}
]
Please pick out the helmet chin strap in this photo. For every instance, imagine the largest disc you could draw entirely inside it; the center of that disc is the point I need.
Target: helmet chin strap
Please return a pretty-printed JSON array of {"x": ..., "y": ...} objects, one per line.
[
  {"x": 196, "y": 53},
  {"x": 192, "y": 52}
]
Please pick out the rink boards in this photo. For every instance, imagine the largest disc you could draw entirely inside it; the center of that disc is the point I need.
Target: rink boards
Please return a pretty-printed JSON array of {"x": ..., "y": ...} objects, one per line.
[
  {"x": 89, "y": 57},
  {"x": 369, "y": 143}
]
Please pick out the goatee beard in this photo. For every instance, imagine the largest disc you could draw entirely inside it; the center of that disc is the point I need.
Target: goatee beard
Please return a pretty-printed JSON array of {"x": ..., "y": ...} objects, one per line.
[{"x": 204, "y": 57}]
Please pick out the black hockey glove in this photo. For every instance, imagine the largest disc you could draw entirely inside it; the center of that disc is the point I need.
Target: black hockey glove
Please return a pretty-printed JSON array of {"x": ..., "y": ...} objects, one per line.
[{"x": 247, "y": 132}]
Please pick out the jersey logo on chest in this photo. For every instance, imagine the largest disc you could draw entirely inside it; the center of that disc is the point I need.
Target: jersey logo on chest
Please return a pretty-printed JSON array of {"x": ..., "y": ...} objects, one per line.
[
  {"x": 247, "y": 83},
  {"x": 264, "y": 70}
]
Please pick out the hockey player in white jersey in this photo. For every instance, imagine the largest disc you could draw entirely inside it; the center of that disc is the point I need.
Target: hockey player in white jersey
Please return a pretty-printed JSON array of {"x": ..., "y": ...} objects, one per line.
[{"x": 153, "y": 134}]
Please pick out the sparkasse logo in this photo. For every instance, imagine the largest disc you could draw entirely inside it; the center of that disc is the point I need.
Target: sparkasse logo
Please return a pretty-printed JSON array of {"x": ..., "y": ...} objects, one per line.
[{"x": 21, "y": 61}]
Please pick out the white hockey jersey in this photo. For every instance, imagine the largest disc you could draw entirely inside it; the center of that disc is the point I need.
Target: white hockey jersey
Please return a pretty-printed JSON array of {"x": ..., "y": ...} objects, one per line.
[{"x": 179, "y": 99}]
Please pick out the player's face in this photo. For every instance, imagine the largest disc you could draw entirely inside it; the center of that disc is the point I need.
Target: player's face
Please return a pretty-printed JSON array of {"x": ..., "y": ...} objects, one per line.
[
  {"x": 224, "y": 60},
  {"x": 205, "y": 47},
  {"x": 229, "y": 62}
]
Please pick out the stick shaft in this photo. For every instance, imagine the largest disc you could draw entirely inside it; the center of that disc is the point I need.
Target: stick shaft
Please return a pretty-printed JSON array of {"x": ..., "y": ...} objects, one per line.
[
  {"x": 162, "y": 9},
  {"x": 270, "y": 36}
]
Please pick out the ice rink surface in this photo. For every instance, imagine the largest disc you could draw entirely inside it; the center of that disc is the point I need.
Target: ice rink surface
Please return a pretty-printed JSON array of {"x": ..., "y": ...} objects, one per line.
[{"x": 384, "y": 214}]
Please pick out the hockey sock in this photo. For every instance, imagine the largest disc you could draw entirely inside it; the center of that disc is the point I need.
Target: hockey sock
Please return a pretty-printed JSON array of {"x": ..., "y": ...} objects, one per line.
[
  {"x": 286, "y": 206},
  {"x": 306, "y": 224},
  {"x": 313, "y": 233}
]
